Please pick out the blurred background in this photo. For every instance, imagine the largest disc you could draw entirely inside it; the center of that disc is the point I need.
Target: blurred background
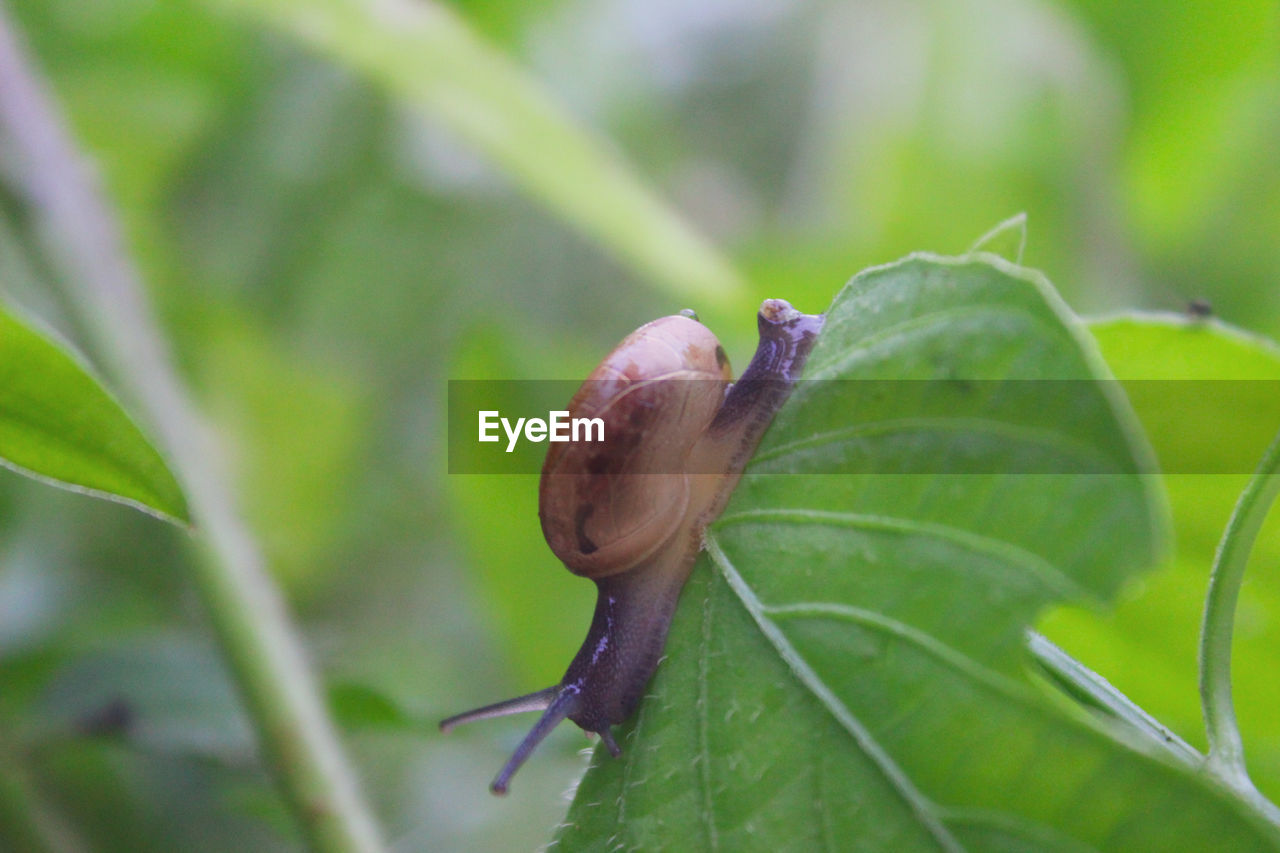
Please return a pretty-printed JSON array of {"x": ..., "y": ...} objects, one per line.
[{"x": 324, "y": 256}]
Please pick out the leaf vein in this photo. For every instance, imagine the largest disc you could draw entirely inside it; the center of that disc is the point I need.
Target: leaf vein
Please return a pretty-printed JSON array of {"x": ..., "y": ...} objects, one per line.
[
  {"x": 1052, "y": 577},
  {"x": 1028, "y": 435},
  {"x": 966, "y": 664},
  {"x": 919, "y": 804}
]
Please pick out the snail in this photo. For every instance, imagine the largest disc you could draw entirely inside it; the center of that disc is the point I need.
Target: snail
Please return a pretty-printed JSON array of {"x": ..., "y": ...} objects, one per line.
[{"x": 629, "y": 512}]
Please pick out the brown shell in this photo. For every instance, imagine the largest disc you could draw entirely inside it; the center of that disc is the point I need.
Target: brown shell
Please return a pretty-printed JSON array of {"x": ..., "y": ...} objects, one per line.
[{"x": 605, "y": 506}]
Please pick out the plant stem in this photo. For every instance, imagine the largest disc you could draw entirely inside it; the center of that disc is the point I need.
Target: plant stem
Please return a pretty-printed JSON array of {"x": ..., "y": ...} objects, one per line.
[
  {"x": 1226, "y": 750},
  {"x": 265, "y": 654},
  {"x": 1094, "y": 691}
]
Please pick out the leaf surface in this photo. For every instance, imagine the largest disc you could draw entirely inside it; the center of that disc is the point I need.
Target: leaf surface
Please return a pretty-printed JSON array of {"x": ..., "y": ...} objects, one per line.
[
  {"x": 848, "y": 668},
  {"x": 58, "y": 424},
  {"x": 1207, "y": 396}
]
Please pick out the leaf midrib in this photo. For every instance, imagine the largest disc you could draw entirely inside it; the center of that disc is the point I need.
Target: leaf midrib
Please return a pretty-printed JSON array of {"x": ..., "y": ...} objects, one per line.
[{"x": 920, "y": 805}]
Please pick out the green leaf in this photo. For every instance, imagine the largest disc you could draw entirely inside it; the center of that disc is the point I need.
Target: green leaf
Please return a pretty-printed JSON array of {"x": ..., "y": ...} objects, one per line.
[
  {"x": 59, "y": 425},
  {"x": 848, "y": 666},
  {"x": 1205, "y": 393}
]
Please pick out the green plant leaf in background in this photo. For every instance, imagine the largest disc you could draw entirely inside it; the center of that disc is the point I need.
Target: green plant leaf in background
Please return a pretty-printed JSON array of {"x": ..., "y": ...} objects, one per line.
[
  {"x": 848, "y": 665},
  {"x": 1205, "y": 394},
  {"x": 58, "y": 424}
]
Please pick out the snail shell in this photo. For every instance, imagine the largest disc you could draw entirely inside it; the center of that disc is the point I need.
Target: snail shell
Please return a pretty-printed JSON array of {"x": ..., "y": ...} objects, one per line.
[
  {"x": 607, "y": 506},
  {"x": 629, "y": 512}
]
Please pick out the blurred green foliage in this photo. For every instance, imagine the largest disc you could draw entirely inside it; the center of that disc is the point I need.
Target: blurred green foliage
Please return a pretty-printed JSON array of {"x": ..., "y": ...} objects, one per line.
[{"x": 324, "y": 259}]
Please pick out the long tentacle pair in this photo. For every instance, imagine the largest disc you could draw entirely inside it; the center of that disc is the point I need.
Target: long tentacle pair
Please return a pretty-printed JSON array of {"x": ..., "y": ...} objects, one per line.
[{"x": 556, "y": 703}]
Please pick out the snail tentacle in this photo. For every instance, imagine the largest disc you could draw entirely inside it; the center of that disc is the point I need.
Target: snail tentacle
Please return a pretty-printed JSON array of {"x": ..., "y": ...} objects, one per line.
[
  {"x": 529, "y": 702},
  {"x": 566, "y": 702}
]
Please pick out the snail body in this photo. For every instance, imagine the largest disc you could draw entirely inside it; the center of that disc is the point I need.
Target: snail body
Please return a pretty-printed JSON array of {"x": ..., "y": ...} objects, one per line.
[{"x": 629, "y": 512}]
